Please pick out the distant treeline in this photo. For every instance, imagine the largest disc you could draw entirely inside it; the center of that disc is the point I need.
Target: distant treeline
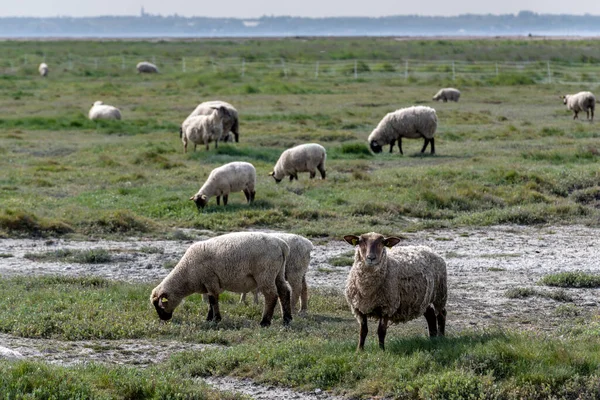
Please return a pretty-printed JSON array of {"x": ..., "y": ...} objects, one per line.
[{"x": 146, "y": 25}]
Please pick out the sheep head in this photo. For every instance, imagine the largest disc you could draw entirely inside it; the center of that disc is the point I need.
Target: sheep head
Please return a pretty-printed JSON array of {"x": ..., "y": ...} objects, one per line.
[
  {"x": 272, "y": 173},
  {"x": 371, "y": 246},
  {"x": 565, "y": 98},
  {"x": 375, "y": 147},
  {"x": 200, "y": 199},
  {"x": 164, "y": 307}
]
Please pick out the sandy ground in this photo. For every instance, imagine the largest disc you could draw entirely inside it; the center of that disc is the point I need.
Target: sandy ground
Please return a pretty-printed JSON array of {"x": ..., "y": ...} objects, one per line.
[{"x": 483, "y": 264}]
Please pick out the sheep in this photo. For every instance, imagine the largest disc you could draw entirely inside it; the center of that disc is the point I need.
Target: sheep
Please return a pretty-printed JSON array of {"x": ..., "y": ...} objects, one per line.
[
  {"x": 412, "y": 122},
  {"x": 100, "y": 110},
  {"x": 223, "y": 180},
  {"x": 238, "y": 262},
  {"x": 446, "y": 94},
  {"x": 302, "y": 158},
  {"x": 43, "y": 68},
  {"x": 295, "y": 269},
  {"x": 582, "y": 101},
  {"x": 230, "y": 121},
  {"x": 395, "y": 285},
  {"x": 146, "y": 67},
  {"x": 203, "y": 129}
]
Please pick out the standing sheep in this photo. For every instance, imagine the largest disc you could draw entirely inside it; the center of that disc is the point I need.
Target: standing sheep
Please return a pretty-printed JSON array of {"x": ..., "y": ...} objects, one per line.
[
  {"x": 146, "y": 67},
  {"x": 447, "y": 94},
  {"x": 233, "y": 177},
  {"x": 100, "y": 110},
  {"x": 43, "y": 69},
  {"x": 582, "y": 101},
  {"x": 302, "y": 158},
  {"x": 412, "y": 123},
  {"x": 295, "y": 269},
  {"x": 203, "y": 129},
  {"x": 239, "y": 262},
  {"x": 230, "y": 121},
  {"x": 396, "y": 285}
]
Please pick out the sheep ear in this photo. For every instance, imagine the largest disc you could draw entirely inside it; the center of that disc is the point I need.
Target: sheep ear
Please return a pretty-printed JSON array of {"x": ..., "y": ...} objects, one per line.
[
  {"x": 203, "y": 197},
  {"x": 192, "y": 198},
  {"x": 391, "y": 241},
  {"x": 271, "y": 173},
  {"x": 351, "y": 239},
  {"x": 162, "y": 301}
]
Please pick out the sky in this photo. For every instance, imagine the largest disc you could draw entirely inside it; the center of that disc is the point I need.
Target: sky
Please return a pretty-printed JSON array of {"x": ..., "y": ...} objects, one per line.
[{"x": 302, "y": 8}]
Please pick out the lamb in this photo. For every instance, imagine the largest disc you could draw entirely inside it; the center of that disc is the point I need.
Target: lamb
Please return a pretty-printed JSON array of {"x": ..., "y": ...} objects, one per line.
[
  {"x": 446, "y": 94},
  {"x": 146, "y": 67},
  {"x": 302, "y": 158},
  {"x": 203, "y": 129},
  {"x": 582, "y": 101},
  {"x": 295, "y": 269},
  {"x": 395, "y": 285},
  {"x": 223, "y": 180},
  {"x": 230, "y": 121},
  {"x": 100, "y": 110},
  {"x": 238, "y": 262},
  {"x": 412, "y": 122},
  {"x": 43, "y": 68}
]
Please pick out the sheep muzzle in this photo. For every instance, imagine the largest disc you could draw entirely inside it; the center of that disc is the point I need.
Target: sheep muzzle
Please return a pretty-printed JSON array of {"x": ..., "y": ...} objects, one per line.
[{"x": 375, "y": 147}]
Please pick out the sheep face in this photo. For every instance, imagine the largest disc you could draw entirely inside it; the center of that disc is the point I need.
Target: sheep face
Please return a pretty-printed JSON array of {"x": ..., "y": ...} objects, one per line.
[
  {"x": 180, "y": 132},
  {"x": 371, "y": 246},
  {"x": 565, "y": 99},
  {"x": 200, "y": 200},
  {"x": 375, "y": 147},
  {"x": 163, "y": 304},
  {"x": 272, "y": 173}
]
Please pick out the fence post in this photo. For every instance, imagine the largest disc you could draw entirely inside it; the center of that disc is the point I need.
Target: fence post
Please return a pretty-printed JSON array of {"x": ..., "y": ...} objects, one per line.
[
  {"x": 122, "y": 62},
  {"x": 182, "y": 64},
  {"x": 317, "y": 70},
  {"x": 243, "y": 67},
  {"x": 70, "y": 62},
  {"x": 283, "y": 66},
  {"x": 453, "y": 72},
  {"x": 406, "y": 70},
  {"x": 355, "y": 69},
  {"x": 214, "y": 65},
  {"x": 549, "y": 74}
]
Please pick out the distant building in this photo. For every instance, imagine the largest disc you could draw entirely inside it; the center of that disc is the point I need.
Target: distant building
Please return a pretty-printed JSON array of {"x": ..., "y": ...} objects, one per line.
[{"x": 142, "y": 13}]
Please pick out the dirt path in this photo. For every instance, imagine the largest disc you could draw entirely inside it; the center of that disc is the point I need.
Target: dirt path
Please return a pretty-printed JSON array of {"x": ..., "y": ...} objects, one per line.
[{"x": 483, "y": 264}]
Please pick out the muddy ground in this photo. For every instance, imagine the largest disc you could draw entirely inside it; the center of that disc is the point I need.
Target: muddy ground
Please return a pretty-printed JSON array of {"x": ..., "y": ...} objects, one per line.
[{"x": 483, "y": 263}]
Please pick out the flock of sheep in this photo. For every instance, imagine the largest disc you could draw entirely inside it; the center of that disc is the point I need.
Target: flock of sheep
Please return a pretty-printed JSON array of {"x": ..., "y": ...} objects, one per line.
[{"x": 387, "y": 283}]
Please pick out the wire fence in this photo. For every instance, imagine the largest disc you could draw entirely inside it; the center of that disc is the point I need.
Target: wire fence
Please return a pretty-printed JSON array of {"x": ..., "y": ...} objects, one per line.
[{"x": 544, "y": 72}]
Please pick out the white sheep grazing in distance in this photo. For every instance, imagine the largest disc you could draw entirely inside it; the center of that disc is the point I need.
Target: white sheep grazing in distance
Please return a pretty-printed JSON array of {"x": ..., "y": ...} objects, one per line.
[
  {"x": 582, "y": 101},
  {"x": 146, "y": 67},
  {"x": 230, "y": 121},
  {"x": 43, "y": 69},
  {"x": 203, "y": 129},
  {"x": 238, "y": 262},
  {"x": 232, "y": 177},
  {"x": 447, "y": 94},
  {"x": 395, "y": 285},
  {"x": 100, "y": 110},
  {"x": 412, "y": 123},
  {"x": 303, "y": 158}
]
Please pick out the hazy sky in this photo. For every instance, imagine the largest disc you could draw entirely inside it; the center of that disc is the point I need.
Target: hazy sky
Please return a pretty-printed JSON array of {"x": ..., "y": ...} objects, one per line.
[{"x": 306, "y": 8}]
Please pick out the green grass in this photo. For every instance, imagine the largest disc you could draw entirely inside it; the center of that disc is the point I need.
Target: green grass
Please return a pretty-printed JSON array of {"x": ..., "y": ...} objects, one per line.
[
  {"x": 343, "y": 260},
  {"x": 93, "y": 256},
  {"x": 572, "y": 280},
  {"x": 317, "y": 351},
  {"x": 523, "y": 293}
]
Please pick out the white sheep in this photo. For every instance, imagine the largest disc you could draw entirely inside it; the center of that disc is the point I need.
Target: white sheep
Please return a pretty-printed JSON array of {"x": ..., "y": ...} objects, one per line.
[
  {"x": 303, "y": 158},
  {"x": 238, "y": 262},
  {"x": 447, "y": 94},
  {"x": 233, "y": 177},
  {"x": 582, "y": 101},
  {"x": 100, "y": 110},
  {"x": 203, "y": 129},
  {"x": 230, "y": 120},
  {"x": 412, "y": 123},
  {"x": 43, "y": 69},
  {"x": 295, "y": 269},
  {"x": 395, "y": 285},
  {"x": 146, "y": 67}
]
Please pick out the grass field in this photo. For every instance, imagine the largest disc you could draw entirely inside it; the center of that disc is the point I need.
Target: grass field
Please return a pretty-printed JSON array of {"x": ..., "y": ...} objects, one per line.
[{"x": 507, "y": 153}]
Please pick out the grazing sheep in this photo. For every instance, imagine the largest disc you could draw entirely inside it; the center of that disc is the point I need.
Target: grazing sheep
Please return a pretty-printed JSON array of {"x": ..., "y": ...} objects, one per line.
[
  {"x": 395, "y": 285},
  {"x": 100, "y": 110},
  {"x": 302, "y": 158},
  {"x": 295, "y": 269},
  {"x": 203, "y": 129},
  {"x": 146, "y": 67},
  {"x": 230, "y": 121},
  {"x": 43, "y": 68},
  {"x": 238, "y": 262},
  {"x": 447, "y": 94},
  {"x": 582, "y": 101},
  {"x": 233, "y": 177},
  {"x": 412, "y": 123}
]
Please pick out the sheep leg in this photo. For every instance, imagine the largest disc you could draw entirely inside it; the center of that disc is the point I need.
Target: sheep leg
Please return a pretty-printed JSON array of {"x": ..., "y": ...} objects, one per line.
[
  {"x": 291, "y": 178},
  {"x": 213, "y": 314},
  {"x": 194, "y": 146},
  {"x": 185, "y": 147},
  {"x": 252, "y": 194},
  {"x": 364, "y": 329},
  {"x": 441, "y": 320},
  {"x": 392, "y": 145},
  {"x": 243, "y": 298},
  {"x": 381, "y": 331},
  {"x": 431, "y": 321},
  {"x": 321, "y": 169},
  {"x": 575, "y": 115},
  {"x": 285, "y": 296},
  {"x": 255, "y": 296},
  {"x": 400, "y": 145},
  {"x": 247, "y": 194},
  {"x": 225, "y": 197},
  {"x": 269, "y": 308},
  {"x": 425, "y": 145},
  {"x": 432, "y": 145},
  {"x": 313, "y": 174},
  {"x": 304, "y": 297},
  {"x": 218, "y": 200}
]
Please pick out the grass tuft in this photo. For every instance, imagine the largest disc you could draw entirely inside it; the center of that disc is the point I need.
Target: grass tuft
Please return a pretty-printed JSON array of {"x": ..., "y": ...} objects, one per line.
[{"x": 571, "y": 280}]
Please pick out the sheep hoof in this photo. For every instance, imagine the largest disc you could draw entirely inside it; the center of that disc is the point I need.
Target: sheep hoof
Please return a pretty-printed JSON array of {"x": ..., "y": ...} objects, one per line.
[{"x": 265, "y": 323}]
